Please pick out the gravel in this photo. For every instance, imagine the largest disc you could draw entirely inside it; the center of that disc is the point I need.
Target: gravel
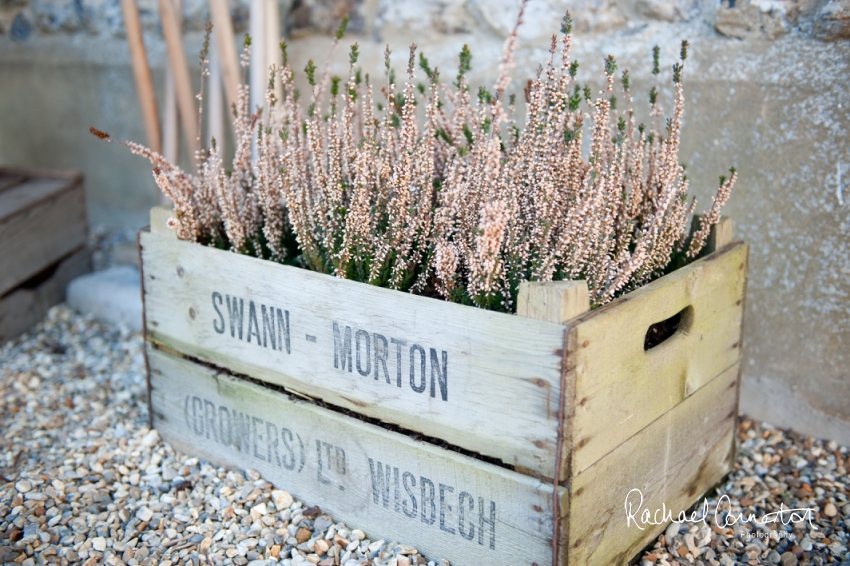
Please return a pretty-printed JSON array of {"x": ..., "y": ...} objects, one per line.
[
  {"x": 84, "y": 481},
  {"x": 774, "y": 468}
]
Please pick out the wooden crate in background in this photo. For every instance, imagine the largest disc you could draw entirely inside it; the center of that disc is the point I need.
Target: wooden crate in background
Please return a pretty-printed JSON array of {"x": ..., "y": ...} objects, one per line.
[
  {"x": 43, "y": 238},
  {"x": 445, "y": 426}
]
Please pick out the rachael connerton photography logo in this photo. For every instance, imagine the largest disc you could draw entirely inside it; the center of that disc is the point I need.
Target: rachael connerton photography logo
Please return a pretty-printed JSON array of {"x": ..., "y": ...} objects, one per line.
[
  {"x": 776, "y": 535},
  {"x": 643, "y": 517}
]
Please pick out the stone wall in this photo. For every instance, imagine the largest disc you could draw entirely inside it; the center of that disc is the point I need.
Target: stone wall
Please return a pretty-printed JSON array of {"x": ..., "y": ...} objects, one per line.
[
  {"x": 743, "y": 19},
  {"x": 767, "y": 90}
]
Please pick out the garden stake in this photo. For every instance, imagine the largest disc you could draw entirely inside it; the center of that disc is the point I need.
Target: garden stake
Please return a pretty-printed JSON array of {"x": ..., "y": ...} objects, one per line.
[{"x": 142, "y": 73}]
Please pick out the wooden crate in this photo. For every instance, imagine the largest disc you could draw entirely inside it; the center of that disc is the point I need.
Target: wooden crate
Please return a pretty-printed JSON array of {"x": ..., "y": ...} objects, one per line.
[
  {"x": 43, "y": 236},
  {"x": 505, "y": 404}
]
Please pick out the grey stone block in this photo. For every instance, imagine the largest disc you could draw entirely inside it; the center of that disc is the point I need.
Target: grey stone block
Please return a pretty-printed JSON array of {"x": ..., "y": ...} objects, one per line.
[{"x": 112, "y": 295}]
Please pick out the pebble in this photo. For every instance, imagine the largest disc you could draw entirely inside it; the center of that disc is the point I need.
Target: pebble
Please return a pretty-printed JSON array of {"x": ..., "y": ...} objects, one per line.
[
  {"x": 144, "y": 514},
  {"x": 303, "y": 535},
  {"x": 150, "y": 439},
  {"x": 282, "y": 499},
  {"x": 788, "y": 559},
  {"x": 830, "y": 510},
  {"x": 322, "y": 523}
]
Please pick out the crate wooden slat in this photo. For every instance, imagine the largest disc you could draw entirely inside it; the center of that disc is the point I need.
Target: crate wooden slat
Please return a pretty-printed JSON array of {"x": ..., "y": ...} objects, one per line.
[
  {"x": 40, "y": 172},
  {"x": 9, "y": 180},
  {"x": 28, "y": 304},
  {"x": 619, "y": 388},
  {"x": 23, "y": 193},
  {"x": 333, "y": 460},
  {"x": 502, "y": 373},
  {"x": 42, "y": 220},
  {"x": 672, "y": 462}
]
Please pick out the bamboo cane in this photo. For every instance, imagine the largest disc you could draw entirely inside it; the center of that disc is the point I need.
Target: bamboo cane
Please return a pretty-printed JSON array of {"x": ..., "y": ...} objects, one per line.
[
  {"x": 170, "y": 128},
  {"x": 257, "y": 73},
  {"x": 272, "y": 43},
  {"x": 142, "y": 73},
  {"x": 223, "y": 32},
  {"x": 216, "y": 98},
  {"x": 182, "y": 79}
]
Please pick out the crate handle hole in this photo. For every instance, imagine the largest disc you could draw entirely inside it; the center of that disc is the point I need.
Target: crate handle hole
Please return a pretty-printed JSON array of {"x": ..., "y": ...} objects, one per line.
[{"x": 661, "y": 332}]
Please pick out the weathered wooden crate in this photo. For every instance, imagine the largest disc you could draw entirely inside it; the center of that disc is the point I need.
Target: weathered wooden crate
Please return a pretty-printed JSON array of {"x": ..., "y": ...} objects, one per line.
[
  {"x": 43, "y": 236},
  {"x": 446, "y": 426}
]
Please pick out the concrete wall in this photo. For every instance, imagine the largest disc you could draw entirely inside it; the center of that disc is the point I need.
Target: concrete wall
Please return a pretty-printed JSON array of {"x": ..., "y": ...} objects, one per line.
[{"x": 766, "y": 86}]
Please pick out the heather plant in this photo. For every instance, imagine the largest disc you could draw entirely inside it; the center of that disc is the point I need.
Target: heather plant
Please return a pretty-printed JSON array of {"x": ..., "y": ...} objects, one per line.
[{"x": 434, "y": 189}]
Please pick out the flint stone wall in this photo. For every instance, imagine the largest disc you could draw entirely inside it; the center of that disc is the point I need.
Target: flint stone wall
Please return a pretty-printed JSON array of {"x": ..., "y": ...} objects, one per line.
[{"x": 827, "y": 20}]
